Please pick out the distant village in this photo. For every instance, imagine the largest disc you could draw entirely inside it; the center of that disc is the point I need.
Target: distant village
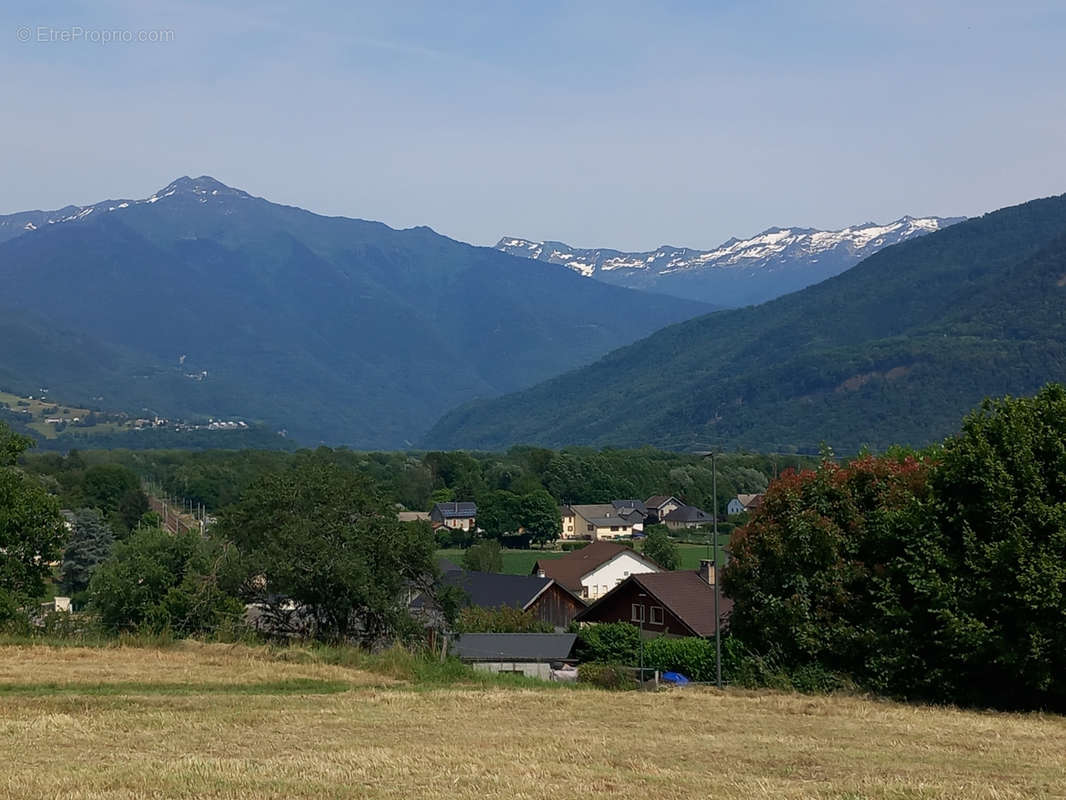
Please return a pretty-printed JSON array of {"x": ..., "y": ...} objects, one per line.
[
  {"x": 603, "y": 580},
  {"x": 41, "y": 409}
]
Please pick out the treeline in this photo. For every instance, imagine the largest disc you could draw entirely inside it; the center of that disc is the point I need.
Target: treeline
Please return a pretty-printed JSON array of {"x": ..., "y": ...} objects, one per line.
[
  {"x": 217, "y": 478},
  {"x": 311, "y": 549},
  {"x": 937, "y": 575}
]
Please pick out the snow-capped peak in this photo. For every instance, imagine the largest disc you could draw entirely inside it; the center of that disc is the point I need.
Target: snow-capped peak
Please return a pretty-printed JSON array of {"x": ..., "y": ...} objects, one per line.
[
  {"x": 779, "y": 259},
  {"x": 764, "y": 250},
  {"x": 205, "y": 189}
]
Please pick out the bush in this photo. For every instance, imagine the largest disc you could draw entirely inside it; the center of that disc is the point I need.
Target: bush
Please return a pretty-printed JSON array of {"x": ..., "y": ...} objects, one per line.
[
  {"x": 607, "y": 676},
  {"x": 485, "y": 556},
  {"x": 568, "y": 547},
  {"x": 660, "y": 548},
  {"x": 691, "y": 656},
  {"x": 156, "y": 581},
  {"x": 451, "y": 538},
  {"x": 609, "y": 643},
  {"x": 505, "y": 619}
]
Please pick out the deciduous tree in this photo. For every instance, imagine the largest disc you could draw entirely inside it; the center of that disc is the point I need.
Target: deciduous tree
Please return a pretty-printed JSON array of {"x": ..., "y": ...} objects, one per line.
[
  {"x": 660, "y": 548},
  {"x": 324, "y": 538},
  {"x": 31, "y": 529}
]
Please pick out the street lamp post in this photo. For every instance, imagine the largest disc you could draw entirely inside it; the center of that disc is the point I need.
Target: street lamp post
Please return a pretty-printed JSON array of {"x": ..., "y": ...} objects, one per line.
[
  {"x": 717, "y": 615},
  {"x": 640, "y": 623}
]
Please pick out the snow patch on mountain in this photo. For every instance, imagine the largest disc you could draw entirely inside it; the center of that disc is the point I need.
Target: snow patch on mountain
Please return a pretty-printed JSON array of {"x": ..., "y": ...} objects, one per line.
[
  {"x": 204, "y": 188},
  {"x": 739, "y": 271},
  {"x": 774, "y": 248}
]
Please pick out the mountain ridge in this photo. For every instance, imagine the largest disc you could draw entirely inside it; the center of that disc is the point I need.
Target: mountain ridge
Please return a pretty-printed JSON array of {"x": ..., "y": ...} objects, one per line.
[
  {"x": 739, "y": 271},
  {"x": 340, "y": 330},
  {"x": 895, "y": 350}
]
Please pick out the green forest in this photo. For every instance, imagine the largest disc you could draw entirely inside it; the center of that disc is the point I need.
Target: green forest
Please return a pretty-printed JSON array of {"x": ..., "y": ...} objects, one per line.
[
  {"x": 895, "y": 350},
  {"x": 415, "y": 481}
]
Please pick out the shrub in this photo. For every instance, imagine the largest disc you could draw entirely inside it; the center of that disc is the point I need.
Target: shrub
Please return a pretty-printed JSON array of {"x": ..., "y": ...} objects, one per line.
[
  {"x": 609, "y": 643},
  {"x": 568, "y": 547},
  {"x": 505, "y": 619},
  {"x": 485, "y": 556},
  {"x": 607, "y": 676},
  {"x": 660, "y": 548},
  {"x": 691, "y": 656},
  {"x": 156, "y": 581}
]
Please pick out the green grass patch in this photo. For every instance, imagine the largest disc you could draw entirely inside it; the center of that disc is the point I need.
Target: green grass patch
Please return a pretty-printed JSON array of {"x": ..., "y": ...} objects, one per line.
[{"x": 515, "y": 562}]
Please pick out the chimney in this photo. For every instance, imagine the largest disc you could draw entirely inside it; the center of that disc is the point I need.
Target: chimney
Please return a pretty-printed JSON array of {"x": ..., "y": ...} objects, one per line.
[{"x": 707, "y": 571}]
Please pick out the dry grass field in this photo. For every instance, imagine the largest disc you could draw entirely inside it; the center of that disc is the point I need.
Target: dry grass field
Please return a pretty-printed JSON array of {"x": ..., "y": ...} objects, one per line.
[{"x": 218, "y": 721}]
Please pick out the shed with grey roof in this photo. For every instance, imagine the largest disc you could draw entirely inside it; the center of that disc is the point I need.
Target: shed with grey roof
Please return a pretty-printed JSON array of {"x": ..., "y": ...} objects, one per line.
[{"x": 530, "y": 654}]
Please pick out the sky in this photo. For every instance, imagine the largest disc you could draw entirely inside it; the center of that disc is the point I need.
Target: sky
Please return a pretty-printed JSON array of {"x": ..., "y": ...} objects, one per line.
[{"x": 617, "y": 124}]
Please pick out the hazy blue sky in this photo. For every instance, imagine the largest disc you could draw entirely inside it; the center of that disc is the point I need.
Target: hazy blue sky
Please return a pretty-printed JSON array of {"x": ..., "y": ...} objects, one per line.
[{"x": 616, "y": 123}]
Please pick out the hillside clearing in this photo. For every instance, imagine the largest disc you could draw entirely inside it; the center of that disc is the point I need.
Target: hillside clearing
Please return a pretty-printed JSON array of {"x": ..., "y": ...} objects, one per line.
[{"x": 348, "y": 733}]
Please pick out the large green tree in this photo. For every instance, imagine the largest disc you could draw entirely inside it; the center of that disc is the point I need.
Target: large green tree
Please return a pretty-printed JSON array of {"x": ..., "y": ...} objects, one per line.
[
  {"x": 498, "y": 513},
  {"x": 660, "y": 548},
  {"x": 90, "y": 545},
  {"x": 942, "y": 579},
  {"x": 155, "y": 580},
  {"x": 538, "y": 514},
  {"x": 323, "y": 538},
  {"x": 833, "y": 570},
  {"x": 1001, "y": 500},
  {"x": 31, "y": 529}
]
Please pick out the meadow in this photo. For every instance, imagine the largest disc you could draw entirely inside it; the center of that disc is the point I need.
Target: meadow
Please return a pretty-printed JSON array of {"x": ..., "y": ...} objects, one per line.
[
  {"x": 520, "y": 562},
  {"x": 235, "y": 721},
  {"x": 515, "y": 562}
]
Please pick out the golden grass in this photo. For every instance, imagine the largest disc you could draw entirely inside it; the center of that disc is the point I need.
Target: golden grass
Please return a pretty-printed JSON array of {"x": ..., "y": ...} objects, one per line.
[
  {"x": 396, "y": 742},
  {"x": 186, "y": 662}
]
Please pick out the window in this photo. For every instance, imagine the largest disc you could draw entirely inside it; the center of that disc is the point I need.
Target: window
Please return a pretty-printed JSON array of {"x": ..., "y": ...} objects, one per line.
[
  {"x": 638, "y": 613},
  {"x": 591, "y": 527},
  {"x": 656, "y": 617},
  {"x": 626, "y": 573},
  {"x": 614, "y": 527}
]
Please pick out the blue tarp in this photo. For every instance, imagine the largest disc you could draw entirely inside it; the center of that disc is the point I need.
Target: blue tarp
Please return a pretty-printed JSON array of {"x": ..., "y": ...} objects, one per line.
[{"x": 675, "y": 677}]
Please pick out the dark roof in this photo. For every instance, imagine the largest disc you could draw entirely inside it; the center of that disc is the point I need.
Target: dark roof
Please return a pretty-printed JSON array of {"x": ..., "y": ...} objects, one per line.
[
  {"x": 453, "y": 510},
  {"x": 637, "y": 505},
  {"x": 568, "y": 570},
  {"x": 688, "y": 597},
  {"x": 688, "y": 514},
  {"x": 514, "y": 646},
  {"x": 658, "y": 500},
  {"x": 493, "y": 590}
]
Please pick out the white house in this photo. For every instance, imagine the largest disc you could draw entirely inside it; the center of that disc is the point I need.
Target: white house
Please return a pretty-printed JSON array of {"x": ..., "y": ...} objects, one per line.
[
  {"x": 742, "y": 503},
  {"x": 594, "y": 570}
]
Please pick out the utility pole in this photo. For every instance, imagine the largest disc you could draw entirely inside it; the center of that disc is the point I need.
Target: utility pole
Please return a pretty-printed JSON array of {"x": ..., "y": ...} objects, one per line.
[{"x": 717, "y": 615}]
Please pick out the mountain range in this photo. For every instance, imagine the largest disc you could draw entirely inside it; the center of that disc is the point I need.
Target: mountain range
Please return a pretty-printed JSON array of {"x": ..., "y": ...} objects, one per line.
[
  {"x": 202, "y": 300},
  {"x": 740, "y": 271},
  {"x": 894, "y": 350}
]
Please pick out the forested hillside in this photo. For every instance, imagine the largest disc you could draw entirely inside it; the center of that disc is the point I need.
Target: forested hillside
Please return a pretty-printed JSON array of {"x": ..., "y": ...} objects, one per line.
[
  {"x": 203, "y": 300},
  {"x": 893, "y": 351}
]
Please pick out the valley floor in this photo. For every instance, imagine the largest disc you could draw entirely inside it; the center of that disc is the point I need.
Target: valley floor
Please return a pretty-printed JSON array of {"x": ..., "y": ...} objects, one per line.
[{"x": 219, "y": 721}]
